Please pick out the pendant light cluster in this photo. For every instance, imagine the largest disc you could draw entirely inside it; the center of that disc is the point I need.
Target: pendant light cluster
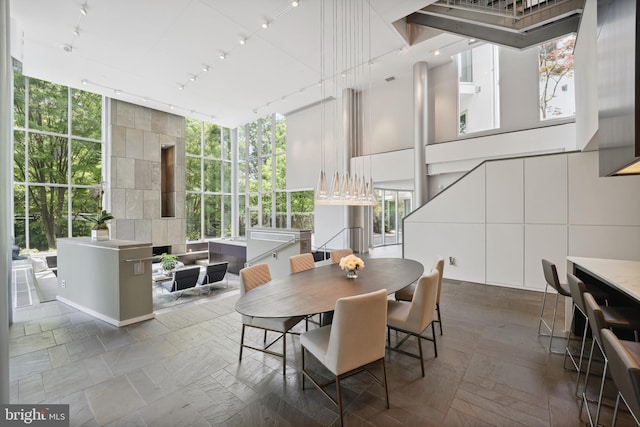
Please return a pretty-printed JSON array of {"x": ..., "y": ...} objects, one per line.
[{"x": 350, "y": 54}]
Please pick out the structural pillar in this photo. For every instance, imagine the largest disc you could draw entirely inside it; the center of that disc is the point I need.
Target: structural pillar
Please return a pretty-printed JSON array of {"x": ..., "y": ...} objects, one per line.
[{"x": 420, "y": 127}]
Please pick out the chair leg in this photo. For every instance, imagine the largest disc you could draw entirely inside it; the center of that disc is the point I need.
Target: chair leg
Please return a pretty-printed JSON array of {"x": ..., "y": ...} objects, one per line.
[
  {"x": 284, "y": 354},
  {"x": 384, "y": 376},
  {"x": 339, "y": 393},
  {"x": 433, "y": 332},
  {"x": 615, "y": 411},
  {"x": 553, "y": 322},
  {"x": 586, "y": 381},
  {"x": 420, "y": 352},
  {"x": 241, "y": 341},
  {"x": 302, "y": 373},
  {"x": 544, "y": 301},
  {"x": 604, "y": 376},
  {"x": 439, "y": 318}
]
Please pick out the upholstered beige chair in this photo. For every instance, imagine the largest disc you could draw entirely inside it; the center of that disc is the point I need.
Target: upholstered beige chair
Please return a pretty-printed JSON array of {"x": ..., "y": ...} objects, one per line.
[
  {"x": 406, "y": 294},
  {"x": 624, "y": 364},
  {"x": 338, "y": 254},
  {"x": 414, "y": 317},
  {"x": 302, "y": 262},
  {"x": 251, "y": 278},
  {"x": 354, "y": 340}
]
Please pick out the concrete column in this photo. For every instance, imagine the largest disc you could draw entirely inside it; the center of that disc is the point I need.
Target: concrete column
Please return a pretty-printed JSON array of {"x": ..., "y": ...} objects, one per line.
[
  {"x": 6, "y": 169},
  {"x": 420, "y": 117},
  {"x": 235, "y": 219}
]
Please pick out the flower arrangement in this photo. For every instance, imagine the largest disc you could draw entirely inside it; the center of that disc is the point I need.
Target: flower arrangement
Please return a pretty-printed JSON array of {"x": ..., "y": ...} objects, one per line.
[{"x": 351, "y": 263}]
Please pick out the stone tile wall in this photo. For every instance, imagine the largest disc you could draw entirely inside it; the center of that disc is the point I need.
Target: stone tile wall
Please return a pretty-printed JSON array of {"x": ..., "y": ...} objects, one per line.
[{"x": 137, "y": 136}]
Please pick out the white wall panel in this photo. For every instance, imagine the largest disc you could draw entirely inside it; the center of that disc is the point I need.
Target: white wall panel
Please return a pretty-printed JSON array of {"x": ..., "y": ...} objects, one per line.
[
  {"x": 463, "y": 242},
  {"x": 605, "y": 242},
  {"x": 544, "y": 241},
  {"x": 462, "y": 203},
  {"x": 504, "y": 191},
  {"x": 505, "y": 254},
  {"x": 545, "y": 190},
  {"x": 601, "y": 201}
]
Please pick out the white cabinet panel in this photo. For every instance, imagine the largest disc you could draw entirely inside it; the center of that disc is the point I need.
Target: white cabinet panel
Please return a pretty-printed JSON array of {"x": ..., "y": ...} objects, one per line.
[
  {"x": 605, "y": 242},
  {"x": 464, "y": 242},
  {"x": 601, "y": 201},
  {"x": 545, "y": 190},
  {"x": 544, "y": 241},
  {"x": 463, "y": 202},
  {"x": 504, "y": 191},
  {"x": 505, "y": 249}
]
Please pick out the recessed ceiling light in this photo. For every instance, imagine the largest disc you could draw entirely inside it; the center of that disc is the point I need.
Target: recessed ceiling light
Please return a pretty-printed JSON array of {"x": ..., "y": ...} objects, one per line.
[
  {"x": 76, "y": 32},
  {"x": 84, "y": 82},
  {"x": 265, "y": 24},
  {"x": 171, "y": 107},
  {"x": 255, "y": 111},
  {"x": 295, "y": 3},
  {"x": 192, "y": 78},
  {"x": 243, "y": 41},
  {"x": 205, "y": 68},
  {"x": 67, "y": 48},
  {"x": 436, "y": 52},
  {"x": 83, "y": 9},
  {"x": 180, "y": 87},
  {"x": 223, "y": 55},
  {"x": 145, "y": 99},
  {"x": 117, "y": 91}
]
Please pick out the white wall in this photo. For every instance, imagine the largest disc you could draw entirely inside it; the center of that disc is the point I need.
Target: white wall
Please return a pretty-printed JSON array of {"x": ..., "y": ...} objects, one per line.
[{"x": 501, "y": 219}]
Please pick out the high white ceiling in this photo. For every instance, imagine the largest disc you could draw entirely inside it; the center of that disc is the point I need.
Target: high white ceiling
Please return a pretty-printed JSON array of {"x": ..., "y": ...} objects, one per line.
[{"x": 146, "y": 49}]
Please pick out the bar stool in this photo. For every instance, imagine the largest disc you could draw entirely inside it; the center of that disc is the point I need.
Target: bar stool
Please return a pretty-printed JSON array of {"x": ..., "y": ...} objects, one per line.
[
  {"x": 577, "y": 289},
  {"x": 624, "y": 358},
  {"x": 618, "y": 317},
  {"x": 551, "y": 277}
]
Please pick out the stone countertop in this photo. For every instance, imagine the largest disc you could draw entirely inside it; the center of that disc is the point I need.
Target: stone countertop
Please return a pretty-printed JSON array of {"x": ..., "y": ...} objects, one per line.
[{"x": 107, "y": 244}]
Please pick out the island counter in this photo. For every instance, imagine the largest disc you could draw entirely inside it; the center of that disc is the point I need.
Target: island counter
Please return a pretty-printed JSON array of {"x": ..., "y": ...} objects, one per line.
[{"x": 108, "y": 279}]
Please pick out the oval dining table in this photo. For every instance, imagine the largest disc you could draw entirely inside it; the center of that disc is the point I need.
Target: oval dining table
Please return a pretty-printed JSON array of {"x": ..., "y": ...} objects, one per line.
[{"x": 316, "y": 290}]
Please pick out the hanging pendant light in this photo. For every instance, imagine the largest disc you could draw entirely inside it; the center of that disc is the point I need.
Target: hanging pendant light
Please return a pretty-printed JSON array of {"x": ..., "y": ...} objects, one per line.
[{"x": 349, "y": 32}]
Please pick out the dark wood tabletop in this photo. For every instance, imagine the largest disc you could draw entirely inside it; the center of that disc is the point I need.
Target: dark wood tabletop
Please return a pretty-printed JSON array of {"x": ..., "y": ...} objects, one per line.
[{"x": 317, "y": 290}]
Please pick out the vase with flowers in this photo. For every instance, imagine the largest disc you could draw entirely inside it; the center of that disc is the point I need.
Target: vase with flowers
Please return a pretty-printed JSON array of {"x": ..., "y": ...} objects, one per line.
[{"x": 351, "y": 264}]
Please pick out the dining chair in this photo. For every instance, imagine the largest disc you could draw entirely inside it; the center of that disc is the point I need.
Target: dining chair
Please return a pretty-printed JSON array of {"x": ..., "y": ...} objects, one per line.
[
  {"x": 297, "y": 264},
  {"x": 406, "y": 294},
  {"x": 338, "y": 254},
  {"x": 413, "y": 318},
  {"x": 251, "y": 278},
  {"x": 354, "y": 340},
  {"x": 551, "y": 278},
  {"x": 302, "y": 262},
  {"x": 624, "y": 363}
]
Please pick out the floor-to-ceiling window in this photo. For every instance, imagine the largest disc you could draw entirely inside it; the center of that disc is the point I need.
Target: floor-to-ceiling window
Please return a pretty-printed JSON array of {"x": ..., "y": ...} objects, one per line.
[
  {"x": 263, "y": 198},
  {"x": 208, "y": 180},
  {"x": 58, "y": 161},
  {"x": 392, "y": 207}
]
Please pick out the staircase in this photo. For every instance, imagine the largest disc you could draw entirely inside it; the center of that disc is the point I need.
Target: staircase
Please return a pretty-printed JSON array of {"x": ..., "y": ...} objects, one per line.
[{"x": 514, "y": 23}]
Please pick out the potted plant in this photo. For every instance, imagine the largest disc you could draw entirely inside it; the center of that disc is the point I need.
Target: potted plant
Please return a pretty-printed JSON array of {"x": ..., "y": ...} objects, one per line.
[
  {"x": 168, "y": 263},
  {"x": 100, "y": 231}
]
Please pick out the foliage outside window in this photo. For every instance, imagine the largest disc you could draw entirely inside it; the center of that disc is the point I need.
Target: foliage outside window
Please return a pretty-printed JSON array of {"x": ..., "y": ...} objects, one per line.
[
  {"x": 57, "y": 161},
  {"x": 555, "y": 65},
  {"x": 478, "y": 90}
]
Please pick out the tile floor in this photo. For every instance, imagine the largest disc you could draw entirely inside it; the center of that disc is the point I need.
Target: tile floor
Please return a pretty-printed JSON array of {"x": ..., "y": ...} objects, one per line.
[{"x": 182, "y": 369}]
